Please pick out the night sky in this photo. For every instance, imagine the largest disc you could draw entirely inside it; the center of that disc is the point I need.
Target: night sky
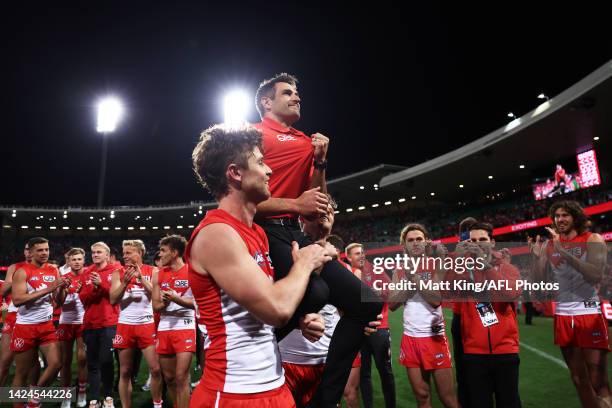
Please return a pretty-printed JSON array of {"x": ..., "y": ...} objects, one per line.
[{"x": 387, "y": 84}]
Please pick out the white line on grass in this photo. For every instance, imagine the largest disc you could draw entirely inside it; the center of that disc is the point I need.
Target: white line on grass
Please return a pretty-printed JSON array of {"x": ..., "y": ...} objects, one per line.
[{"x": 544, "y": 355}]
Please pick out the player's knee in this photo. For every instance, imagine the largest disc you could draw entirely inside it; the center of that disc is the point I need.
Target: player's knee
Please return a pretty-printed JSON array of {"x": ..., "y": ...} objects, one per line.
[
  {"x": 125, "y": 371},
  {"x": 181, "y": 379},
  {"x": 155, "y": 371}
]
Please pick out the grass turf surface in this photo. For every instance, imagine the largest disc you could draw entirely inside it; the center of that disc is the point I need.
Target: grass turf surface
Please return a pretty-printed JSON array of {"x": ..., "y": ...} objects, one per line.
[{"x": 542, "y": 382}]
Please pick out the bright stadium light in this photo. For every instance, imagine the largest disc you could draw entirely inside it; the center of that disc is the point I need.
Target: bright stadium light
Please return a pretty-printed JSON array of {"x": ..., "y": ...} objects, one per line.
[
  {"x": 236, "y": 106},
  {"x": 110, "y": 111},
  {"x": 543, "y": 96}
]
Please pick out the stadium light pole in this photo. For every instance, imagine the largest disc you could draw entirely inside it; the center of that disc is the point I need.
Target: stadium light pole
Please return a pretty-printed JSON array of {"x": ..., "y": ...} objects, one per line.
[
  {"x": 236, "y": 106},
  {"x": 110, "y": 111}
]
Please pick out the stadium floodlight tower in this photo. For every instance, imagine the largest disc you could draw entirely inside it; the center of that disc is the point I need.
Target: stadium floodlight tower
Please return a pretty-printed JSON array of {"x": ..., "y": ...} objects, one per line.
[
  {"x": 236, "y": 105},
  {"x": 110, "y": 111}
]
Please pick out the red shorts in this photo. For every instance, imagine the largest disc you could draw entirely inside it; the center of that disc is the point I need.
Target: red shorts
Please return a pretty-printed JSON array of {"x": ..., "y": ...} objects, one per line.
[
  {"x": 303, "y": 381},
  {"x": 175, "y": 341},
  {"x": 9, "y": 323},
  {"x": 357, "y": 361},
  {"x": 69, "y": 332},
  {"x": 584, "y": 331},
  {"x": 27, "y": 336},
  {"x": 132, "y": 336},
  {"x": 427, "y": 353},
  {"x": 280, "y": 397}
]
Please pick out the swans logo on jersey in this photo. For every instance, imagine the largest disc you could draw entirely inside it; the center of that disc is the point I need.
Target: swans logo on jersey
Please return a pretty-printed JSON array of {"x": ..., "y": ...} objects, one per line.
[
  {"x": 18, "y": 343},
  {"x": 183, "y": 283},
  {"x": 258, "y": 258},
  {"x": 286, "y": 138},
  {"x": 48, "y": 278},
  {"x": 440, "y": 355}
]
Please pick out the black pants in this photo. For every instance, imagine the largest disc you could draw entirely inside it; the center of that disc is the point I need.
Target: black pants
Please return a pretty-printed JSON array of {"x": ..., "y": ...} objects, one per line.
[
  {"x": 529, "y": 311},
  {"x": 492, "y": 376},
  {"x": 377, "y": 345},
  {"x": 335, "y": 285},
  {"x": 459, "y": 366},
  {"x": 100, "y": 366}
]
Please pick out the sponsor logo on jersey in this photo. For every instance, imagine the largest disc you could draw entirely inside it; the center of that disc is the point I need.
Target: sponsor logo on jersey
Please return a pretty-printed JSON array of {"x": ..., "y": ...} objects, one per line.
[
  {"x": 182, "y": 283},
  {"x": 286, "y": 138}
]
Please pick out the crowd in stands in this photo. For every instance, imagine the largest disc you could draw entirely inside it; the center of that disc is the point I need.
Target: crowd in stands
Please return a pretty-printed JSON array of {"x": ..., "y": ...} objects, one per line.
[{"x": 370, "y": 228}]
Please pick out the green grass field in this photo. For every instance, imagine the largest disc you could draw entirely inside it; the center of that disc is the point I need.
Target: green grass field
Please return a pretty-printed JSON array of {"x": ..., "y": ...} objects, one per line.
[{"x": 543, "y": 382}]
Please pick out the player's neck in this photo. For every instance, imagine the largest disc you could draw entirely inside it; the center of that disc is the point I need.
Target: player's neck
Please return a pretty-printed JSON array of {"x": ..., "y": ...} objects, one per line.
[
  {"x": 238, "y": 207},
  {"x": 177, "y": 264},
  {"x": 101, "y": 265},
  {"x": 570, "y": 235},
  {"x": 37, "y": 264},
  {"x": 283, "y": 121}
]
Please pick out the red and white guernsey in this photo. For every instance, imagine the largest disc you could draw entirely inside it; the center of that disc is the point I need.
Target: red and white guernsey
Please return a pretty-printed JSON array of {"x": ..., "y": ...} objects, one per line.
[
  {"x": 40, "y": 310},
  {"x": 296, "y": 349},
  {"x": 421, "y": 319},
  {"x": 8, "y": 299},
  {"x": 577, "y": 296},
  {"x": 243, "y": 355},
  {"x": 135, "y": 306},
  {"x": 175, "y": 316},
  {"x": 72, "y": 309}
]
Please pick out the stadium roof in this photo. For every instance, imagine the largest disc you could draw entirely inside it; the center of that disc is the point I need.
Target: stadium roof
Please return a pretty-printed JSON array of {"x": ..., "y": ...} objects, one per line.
[{"x": 556, "y": 130}]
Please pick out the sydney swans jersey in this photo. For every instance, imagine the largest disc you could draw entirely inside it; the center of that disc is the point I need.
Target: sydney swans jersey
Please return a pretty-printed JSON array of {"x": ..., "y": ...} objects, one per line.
[
  {"x": 40, "y": 310},
  {"x": 135, "y": 304},
  {"x": 175, "y": 316},
  {"x": 576, "y": 295},
  {"x": 242, "y": 355}
]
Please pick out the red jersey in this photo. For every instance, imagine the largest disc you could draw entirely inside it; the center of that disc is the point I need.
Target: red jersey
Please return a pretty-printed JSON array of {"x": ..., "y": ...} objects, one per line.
[
  {"x": 99, "y": 313},
  {"x": 503, "y": 336},
  {"x": 289, "y": 153}
]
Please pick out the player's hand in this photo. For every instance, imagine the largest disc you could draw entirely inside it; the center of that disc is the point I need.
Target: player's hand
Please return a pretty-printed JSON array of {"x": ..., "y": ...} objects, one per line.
[
  {"x": 461, "y": 247},
  {"x": 372, "y": 327},
  {"x": 128, "y": 275},
  {"x": 95, "y": 279},
  {"x": 312, "y": 203},
  {"x": 312, "y": 326},
  {"x": 321, "y": 144},
  {"x": 169, "y": 296},
  {"x": 312, "y": 256},
  {"x": 556, "y": 239},
  {"x": 537, "y": 246},
  {"x": 65, "y": 282}
]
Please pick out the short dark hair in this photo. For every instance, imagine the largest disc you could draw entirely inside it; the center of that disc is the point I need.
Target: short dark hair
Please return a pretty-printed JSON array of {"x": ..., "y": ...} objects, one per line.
[
  {"x": 35, "y": 241},
  {"x": 266, "y": 88},
  {"x": 581, "y": 221},
  {"x": 218, "y": 147},
  {"x": 478, "y": 225},
  {"x": 412, "y": 227},
  {"x": 175, "y": 243},
  {"x": 336, "y": 241}
]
